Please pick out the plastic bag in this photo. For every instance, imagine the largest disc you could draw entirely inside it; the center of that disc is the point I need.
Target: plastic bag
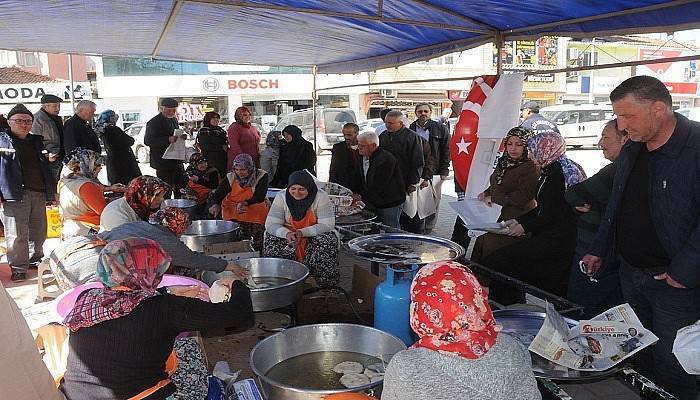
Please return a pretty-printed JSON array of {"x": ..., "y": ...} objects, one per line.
[{"x": 686, "y": 348}]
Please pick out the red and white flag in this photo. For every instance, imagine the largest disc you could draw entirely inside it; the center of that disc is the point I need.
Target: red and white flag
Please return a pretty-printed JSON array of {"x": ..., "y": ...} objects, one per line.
[{"x": 490, "y": 110}]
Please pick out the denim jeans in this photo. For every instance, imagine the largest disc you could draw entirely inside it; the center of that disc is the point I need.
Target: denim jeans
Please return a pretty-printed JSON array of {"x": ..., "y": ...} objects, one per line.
[
  {"x": 663, "y": 310},
  {"x": 390, "y": 216},
  {"x": 595, "y": 297}
]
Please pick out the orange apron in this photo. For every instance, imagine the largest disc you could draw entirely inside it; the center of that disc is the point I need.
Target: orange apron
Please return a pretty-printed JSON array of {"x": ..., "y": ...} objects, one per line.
[
  {"x": 170, "y": 368},
  {"x": 255, "y": 213},
  {"x": 201, "y": 191},
  {"x": 308, "y": 220}
]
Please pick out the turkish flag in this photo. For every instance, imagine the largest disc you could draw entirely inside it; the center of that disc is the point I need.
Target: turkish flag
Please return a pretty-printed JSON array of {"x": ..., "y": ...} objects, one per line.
[{"x": 464, "y": 139}]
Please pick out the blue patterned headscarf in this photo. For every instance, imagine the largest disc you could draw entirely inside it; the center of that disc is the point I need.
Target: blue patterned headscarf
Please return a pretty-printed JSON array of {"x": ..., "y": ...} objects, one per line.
[
  {"x": 548, "y": 147},
  {"x": 82, "y": 162},
  {"x": 106, "y": 118}
]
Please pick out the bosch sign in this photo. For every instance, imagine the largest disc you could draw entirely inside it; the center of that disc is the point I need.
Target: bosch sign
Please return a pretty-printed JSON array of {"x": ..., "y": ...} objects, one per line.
[{"x": 253, "y": 84}]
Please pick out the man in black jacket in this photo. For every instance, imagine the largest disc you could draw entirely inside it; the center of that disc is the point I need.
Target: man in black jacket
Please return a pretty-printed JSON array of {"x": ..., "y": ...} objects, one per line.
[
  {"x": 158, "y": 136},
  {"x": 378, "y": 181},
  {"x": 344, "y": 156},
  {"x": 438, "y": 137},
  {"x": 26, "y": 184},
  {"x": 77, "y": 131}
]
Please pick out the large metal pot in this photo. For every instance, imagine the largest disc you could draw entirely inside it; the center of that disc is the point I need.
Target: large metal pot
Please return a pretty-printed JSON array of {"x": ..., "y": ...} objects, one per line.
[
  {"x": 306, "y": 339},
  {"x": 209, "y": 231},
  {"x": 273, "y": 297},
  {"x": 186, "y": 205}
]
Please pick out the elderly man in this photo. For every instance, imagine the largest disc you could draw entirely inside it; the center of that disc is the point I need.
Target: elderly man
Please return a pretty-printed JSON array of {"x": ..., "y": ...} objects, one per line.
[
  {"x": 25, "y": 185},
  {"x": 438, "y": 136},
  {"x": 378, "y": 180},
  {"x": 49, "y": 125},
  {"x": 158, "y": 136},
  {"x": 344, "y": 156},
  {"x": 532, "y": 120},
  {"x": 651, "y": 221},
  {"x": 590, "y": 198},
  {"x": 77, "y": 131}
]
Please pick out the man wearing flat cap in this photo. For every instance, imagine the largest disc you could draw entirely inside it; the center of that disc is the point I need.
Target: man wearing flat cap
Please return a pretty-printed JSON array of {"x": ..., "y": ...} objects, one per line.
[
  {"x": 158, "y": 136},
  {"x": 26, "y": 183},
  {"x": 532, "y": 120},
  {"x": 49, "y": 125}
]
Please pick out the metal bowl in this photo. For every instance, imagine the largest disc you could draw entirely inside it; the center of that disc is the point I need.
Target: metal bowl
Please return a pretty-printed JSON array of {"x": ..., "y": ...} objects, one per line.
[
  {"x": 209, "y": 231},
  {"x": 187, "y": 205},
  {"x": 306, "y": 339},
  {"x": 276, "y": 296}
]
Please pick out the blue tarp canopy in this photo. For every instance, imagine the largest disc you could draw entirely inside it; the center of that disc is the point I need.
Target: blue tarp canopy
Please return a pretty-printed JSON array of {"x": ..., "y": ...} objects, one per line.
[{"x": 337, "y": 36}]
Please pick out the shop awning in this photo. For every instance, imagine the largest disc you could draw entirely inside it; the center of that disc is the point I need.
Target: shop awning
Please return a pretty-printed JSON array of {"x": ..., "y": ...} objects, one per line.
[{"x": 337, "y": 36}]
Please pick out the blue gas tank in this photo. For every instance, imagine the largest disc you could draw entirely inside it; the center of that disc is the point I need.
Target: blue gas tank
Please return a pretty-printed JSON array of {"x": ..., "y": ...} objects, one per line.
[{"x": 392, "y": 300}]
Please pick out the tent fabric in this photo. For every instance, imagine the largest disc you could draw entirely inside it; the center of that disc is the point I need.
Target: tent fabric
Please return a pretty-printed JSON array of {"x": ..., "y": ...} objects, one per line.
[{"x": 337, "y": 36}]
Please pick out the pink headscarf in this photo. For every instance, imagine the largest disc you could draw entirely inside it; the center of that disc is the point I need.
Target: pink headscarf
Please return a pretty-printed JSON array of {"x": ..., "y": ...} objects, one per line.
[{"x": 450, "y": 311}]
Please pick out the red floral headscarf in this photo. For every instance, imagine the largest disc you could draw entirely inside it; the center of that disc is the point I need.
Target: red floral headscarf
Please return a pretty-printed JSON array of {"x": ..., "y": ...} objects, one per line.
[
  {"x": 130, "y": 269},
  {"x": 450, "y": 311},
  {"x": 173, "y": 218},
  {"x": 141, "y": 192}
]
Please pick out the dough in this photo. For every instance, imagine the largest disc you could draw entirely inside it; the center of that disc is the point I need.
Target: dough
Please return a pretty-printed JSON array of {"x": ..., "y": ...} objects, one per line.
[
  {"x": 376, "y": 378},
  {"x": 219, "y": 293},
  {"x": 354, "y": 380},
  {"x": 374, "y": 370},
  {"x": 349, "y": 367}
]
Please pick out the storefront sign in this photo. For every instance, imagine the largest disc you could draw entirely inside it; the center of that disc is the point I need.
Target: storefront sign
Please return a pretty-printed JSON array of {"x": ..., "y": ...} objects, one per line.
[
  {"x": 253, "y": 84},
  {"x": 32, "y": 92},
  {"x": 457, "y": 94},
  {"x": 681, "y": 87},
  {"x": 540, "y": 78},
  {"x": 187, "y": 112}
]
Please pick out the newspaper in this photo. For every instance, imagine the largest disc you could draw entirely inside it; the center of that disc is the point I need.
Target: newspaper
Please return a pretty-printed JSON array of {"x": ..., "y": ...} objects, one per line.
[
  {"x": 593, "y": 345},
  {"x": 176, "y": 150},
  {"x": 479, "y": 216}
]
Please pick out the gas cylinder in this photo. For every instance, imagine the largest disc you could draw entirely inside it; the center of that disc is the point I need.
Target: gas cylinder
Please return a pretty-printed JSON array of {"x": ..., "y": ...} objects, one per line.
[{"x": 392, "y": 300}]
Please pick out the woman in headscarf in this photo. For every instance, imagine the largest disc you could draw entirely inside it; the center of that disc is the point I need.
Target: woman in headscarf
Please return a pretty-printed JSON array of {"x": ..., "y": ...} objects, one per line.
[
  {"x": 212, "y": 141},
  {"x": 460, "y": 353},
  {"x": 73, "y": 261},
  {"x": 543, "y": 258},
  {"x": 122, "y": 166},
  {"x": 242, "y": 197},
  {"x": 512, "y": 186},
  {"x": 139, "y": 323},
  {"x": 143, "y": 196},
  {"x": 296, "y": 154},
  {"x": 300, "y": 227},
  {"x": 243, "y": 137},
  {"x": 201, "y": 178},
  {"x": 81, "y": 195}
]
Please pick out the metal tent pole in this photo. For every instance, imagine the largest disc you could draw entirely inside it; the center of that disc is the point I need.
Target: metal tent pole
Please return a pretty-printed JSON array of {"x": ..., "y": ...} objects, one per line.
[
  {"x": 313, "y": 106},
  {"x": 70, "y": 79}
]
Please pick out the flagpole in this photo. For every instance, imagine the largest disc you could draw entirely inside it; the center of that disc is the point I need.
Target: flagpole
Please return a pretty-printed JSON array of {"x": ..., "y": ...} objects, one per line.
[{"x": 499, "y": 47}]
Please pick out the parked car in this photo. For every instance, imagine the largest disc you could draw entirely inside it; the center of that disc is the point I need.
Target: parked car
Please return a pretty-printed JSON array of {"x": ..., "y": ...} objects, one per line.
[
  {"x": 143, "y": 152},
  {"x": 691, "y": 113},
  {"x": 330, "y": 123},
  {"x": 370, "y": 124},
  {"x": 579, "y": 124}
]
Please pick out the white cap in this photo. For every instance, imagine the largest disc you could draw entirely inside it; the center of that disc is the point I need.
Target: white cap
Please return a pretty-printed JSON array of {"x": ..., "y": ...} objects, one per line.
[{"x": 686, "y": 348}]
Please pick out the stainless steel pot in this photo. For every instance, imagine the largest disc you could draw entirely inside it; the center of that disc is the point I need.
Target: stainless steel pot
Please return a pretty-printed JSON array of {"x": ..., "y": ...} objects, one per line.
[
  {"x": 209, "y": 231},
  {"x": 273, "y": 297},
  {"x": 186, "y": 205},
  {"x": 306, "y": 339}
]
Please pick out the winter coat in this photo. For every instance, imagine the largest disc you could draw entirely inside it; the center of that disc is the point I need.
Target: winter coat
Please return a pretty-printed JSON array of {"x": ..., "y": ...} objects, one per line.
[
  {"x": 439, "y": 139},
  {"x": 78, "y": 133},
  {"x": 157, "y": 137},
  {"x": 122, "y": 166}
]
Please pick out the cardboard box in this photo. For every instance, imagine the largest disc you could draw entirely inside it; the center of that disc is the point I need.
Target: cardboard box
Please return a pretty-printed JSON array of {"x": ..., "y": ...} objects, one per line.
[
  {"x": 242, "y": 246},
  {"x": 364, "y": 283}
]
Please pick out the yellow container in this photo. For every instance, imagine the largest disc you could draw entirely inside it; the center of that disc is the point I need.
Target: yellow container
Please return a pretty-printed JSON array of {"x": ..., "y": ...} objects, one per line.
[{"x": 53, "y": 222}]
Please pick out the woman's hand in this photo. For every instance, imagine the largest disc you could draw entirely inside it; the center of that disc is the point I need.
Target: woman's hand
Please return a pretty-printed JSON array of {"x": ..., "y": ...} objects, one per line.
[
  {"x": 214, "y": 210},
  {"x": 241, "y": 208},
  {"x": 584, "y": 208},
  {"x": 116, "y": 188},
  {"x": 485, "y": 198},
  {"x": 239, "y": 272},
  {"x": 191, "y": 291},
  {"x": 194, "y": 178},
  {"x": 291, "y": 237}
]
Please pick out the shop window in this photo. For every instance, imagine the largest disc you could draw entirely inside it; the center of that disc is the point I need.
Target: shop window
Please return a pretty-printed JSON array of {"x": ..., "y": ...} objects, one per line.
[{"x": 26, "y": 59}]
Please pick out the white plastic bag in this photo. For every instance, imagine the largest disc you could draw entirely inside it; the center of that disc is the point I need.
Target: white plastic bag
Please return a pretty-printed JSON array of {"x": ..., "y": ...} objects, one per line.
[{"x": 686, "y": 348}]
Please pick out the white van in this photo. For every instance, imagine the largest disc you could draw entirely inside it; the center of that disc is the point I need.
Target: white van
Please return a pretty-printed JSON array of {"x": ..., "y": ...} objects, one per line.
[
  {"x": 691, "y": 113},
  {"x": 579, "y": 124}
]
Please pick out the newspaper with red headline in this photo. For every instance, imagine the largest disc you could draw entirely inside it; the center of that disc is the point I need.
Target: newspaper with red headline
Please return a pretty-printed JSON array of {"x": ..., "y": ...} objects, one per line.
[{"x": 593, "y": 345}]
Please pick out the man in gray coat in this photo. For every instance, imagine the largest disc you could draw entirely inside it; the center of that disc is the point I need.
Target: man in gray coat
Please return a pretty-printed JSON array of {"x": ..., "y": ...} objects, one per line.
[{"x": 49, "y": 125}]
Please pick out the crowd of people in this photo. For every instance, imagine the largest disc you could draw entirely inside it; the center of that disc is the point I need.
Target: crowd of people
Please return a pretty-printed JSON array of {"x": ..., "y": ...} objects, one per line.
[{"x": 629, "y": 233}]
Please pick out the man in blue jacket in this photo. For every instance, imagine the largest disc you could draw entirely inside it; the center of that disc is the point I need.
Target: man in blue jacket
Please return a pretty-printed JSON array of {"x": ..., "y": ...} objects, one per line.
[
  {"x": 652, "y": 224},
  {"x": 26, "y": 183}
]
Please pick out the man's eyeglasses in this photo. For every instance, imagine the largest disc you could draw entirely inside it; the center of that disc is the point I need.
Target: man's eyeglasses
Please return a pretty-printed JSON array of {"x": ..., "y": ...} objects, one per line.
[{"x": 21, "y": 121}]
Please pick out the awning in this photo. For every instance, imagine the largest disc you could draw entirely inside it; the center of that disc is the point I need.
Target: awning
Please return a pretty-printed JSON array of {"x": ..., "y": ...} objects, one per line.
[{"x": 337, "y": 36}]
